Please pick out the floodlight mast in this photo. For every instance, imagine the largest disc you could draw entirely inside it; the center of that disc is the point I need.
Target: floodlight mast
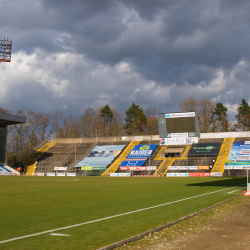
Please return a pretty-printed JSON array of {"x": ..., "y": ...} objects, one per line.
[{"x": 5, "y": 50}]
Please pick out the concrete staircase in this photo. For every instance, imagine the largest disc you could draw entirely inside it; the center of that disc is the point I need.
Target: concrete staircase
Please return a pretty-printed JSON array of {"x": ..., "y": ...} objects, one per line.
[
  {"x": 33, "y": 158},
  {"x": 122, "y": 157},
  {"x": 223, "y": 155}
]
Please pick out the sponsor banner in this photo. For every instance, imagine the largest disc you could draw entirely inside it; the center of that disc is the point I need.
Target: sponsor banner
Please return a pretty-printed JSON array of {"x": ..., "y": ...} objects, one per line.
[
  {"x": 212, "y": 148},
  {"x": 137, "y": 168},
  {"x": 141, "y": 151},
  {"x": 51, "y": 174},
  {"x": 71, "y": 174},
  {"x": 205, "y": 174},
  {"x": 177, "y": 115},
  {"x": 101, "y": 156},
  {"x": 203, "y": 167},
  {"x": 86, "y": 168},
  {"x": 132, "y": 163},
  {"x": 177, "y": 174},
  {"x": 178, "y": 141},
  {"x": 60, "y": 174},
  {"x": 120, "y": 174},
  {"x": 7, "y": 173},
  {"x": 239, "y": 154},
  {"x": 183, "y": 167},
  {"x": 178, "y": 135},
  {"x": 245, "y": 151},
  {"x": 193, "y": 174},
  {"x": 60, "y": 168},
  {"x": 93, "y": 168},
  {"x": 38, "y": 174},
  {"x": 145, "y": 175},
  {"x": 199, "y": 174},
  {"x": 243, "y": 157},
  {"x": 173, "y": 168},
  {"x": 237, "y": 167},
  {"x": 193, "y": 168},
  {"x": 215, "y": 174},
  {"x": 246, "y": 193},
  {"x": 98, "y": 168}
]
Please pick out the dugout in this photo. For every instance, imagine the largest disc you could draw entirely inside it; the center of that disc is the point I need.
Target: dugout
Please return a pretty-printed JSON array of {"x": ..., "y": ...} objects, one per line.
[{"x": 6, "y": 120}]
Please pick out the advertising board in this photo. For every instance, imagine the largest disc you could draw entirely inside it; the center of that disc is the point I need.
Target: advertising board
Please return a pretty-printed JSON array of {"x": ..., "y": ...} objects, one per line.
[
  {"x": 60, "y": 168},
  {"x": 177, "y": 174},
  {"x": 212, "y": 148},
  {"x": 71, "y": 174},
  {"x": 178, "y": 115},
  {"x": 183, "y": 167},
  {"x": 138, "y": 168},
  {"x": 173, "y": 168},
  {"x": 132, "y": 163},
  {"x": 178, "y": 141},
  {"x": 93, "y": 168},
  {"x": 215, "y": 174},
  {"x": 203, "y": 167},
  {"x": 192, "y": 167},
  {"x": 239, "y": 155},
  {"x": 147, "y": 175},
  {"x": 51, "y": 174},
  {"x": 38, "y": 174},
  {"x": 119, "y": 174},
  {"x": 141, "y": 152},
  {"x": 101, "y": 156},
  {"x": 199, "y": 174},
  {"x": 60, "y": 174}
]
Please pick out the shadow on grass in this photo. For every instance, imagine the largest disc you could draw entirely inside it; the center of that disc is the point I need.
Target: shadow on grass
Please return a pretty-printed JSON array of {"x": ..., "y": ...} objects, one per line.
[{"x": 227, "y": 182}]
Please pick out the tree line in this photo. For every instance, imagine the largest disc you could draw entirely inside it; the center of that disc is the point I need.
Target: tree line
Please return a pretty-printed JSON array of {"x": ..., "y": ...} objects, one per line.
[
  {"x": 213, "y": 116},
  {"x": 106, "y": 121},
  {"x": 102, "y": 122}
]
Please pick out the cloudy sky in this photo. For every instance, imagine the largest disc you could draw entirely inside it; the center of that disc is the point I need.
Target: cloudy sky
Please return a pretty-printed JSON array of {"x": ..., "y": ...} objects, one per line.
[{"x": 68, "y": 55}]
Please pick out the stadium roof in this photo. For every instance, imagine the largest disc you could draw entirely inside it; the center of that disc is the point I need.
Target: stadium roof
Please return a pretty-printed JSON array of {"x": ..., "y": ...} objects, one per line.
[{"x": 11, "y": 120}]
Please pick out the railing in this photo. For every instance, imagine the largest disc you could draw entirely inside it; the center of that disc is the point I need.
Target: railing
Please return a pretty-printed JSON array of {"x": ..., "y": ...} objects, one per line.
[
  {"x": 34, "y": 149},
  {"x": 167, "y": 164}
]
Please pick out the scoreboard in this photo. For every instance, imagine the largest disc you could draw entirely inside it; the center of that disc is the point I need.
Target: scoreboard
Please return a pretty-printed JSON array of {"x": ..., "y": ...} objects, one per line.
[
  {"x": 178, "y": 125},
  {"x": 5, "y": 50}
]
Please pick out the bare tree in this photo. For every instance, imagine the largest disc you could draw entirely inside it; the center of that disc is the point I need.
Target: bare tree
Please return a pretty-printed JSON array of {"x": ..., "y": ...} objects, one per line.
[{"x": 204, "y": 110}]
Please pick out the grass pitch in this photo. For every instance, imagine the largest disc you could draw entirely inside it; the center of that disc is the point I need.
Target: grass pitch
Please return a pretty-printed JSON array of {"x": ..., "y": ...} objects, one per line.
[{"x": 31, "y": 205}]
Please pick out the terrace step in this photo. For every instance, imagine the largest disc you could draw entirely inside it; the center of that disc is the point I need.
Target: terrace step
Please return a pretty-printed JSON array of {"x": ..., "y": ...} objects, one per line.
[{"x": 33, "y": 158}]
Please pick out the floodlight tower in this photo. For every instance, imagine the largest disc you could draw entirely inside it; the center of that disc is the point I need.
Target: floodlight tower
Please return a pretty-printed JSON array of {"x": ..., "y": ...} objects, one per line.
[{"x": 5, "y": 50}]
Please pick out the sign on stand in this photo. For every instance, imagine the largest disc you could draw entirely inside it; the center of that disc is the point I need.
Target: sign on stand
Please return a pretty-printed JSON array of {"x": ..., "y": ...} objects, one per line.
[{"x": 247, "y": 193}]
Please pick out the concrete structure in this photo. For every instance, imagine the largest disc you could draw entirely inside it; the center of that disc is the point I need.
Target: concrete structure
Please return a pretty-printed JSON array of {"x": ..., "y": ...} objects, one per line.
[
  {"x": 146, "y": 138},
  {"x": 6, "y": 120}
]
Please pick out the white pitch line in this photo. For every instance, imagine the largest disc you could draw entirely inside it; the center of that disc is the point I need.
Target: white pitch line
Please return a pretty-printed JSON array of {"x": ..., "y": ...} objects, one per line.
[
  {"x": 113, "y": 216},
  {"x": 235, "y": 190},
  {"x": 54, "y": 234}
]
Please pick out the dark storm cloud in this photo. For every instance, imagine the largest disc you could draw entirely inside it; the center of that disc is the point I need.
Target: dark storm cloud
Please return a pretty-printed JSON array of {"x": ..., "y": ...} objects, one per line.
[{"x": 98, "y": 52}]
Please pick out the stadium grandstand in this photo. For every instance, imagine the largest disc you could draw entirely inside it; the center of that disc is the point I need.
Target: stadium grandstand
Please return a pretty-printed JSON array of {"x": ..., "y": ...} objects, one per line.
[
  {"x": 6, "y": 120},
  {"x": 183, "y": 151}
]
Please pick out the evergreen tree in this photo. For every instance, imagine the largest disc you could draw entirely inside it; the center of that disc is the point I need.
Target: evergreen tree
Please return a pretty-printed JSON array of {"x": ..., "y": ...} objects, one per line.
[
  {"x": 219, "y": 118},
  {"x": 106, "y": 115},
  {"x": 243, "y": 116},
  {"x": 136, "y": 120}
]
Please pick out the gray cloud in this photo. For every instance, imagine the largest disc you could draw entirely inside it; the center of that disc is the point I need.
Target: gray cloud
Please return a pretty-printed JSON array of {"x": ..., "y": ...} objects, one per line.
[{"x": 91, "y": 53}]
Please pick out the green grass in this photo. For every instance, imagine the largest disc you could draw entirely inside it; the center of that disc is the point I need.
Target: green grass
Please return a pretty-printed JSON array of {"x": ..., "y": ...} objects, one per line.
[{"x": 35, "y": 204}]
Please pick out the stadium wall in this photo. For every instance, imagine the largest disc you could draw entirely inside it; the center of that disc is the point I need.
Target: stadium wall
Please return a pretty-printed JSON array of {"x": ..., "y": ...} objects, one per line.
[
  {"x": 145, "y": 138},
  {"x": 225, "y": 135}
]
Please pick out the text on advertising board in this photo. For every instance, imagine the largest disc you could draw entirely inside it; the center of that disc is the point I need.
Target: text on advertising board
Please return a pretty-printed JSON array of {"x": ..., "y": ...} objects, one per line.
[{"x": 141, "y": 151}]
